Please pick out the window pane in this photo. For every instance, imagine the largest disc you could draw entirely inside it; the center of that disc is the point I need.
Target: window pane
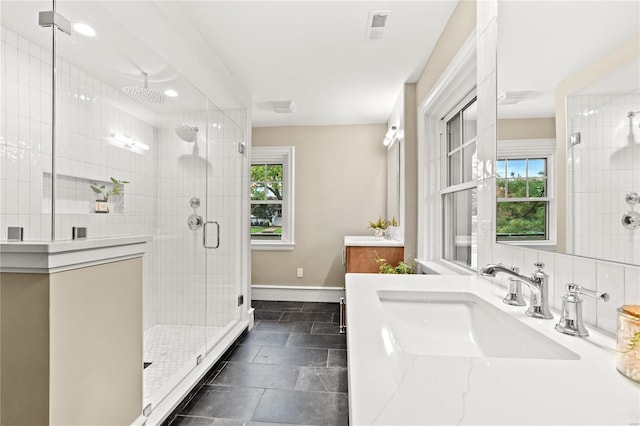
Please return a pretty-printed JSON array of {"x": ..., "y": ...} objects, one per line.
[
  {"x": 501, "y": 188},
  {"x": 469, "y": 167},
  {"x": 274, "y": 191},
  {"x": 537, "y": 167},
  {"x": 521, "y": 221},
  {"x": 266, "y": 221},
  {"x": 460, "y": 224},
  {"x": 453, "y": 133},
  {"x": 258, "y": 172},
  {"x": 538, "y": 188},
  {"x": 470, "y": 122},
  {"x": 455, "y": 175},
  {"x": 274, "y": 172},
  {"x": 501, "y": 167},
  {"x": 516, "y": 188},
  {"x": 517, "y": 168},
  {"x": 257, "y": 191}
]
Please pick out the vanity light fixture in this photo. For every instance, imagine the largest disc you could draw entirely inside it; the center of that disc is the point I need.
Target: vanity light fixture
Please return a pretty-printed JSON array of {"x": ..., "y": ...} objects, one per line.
[
  {"x": 84, "y": 29},
  {"x": 390, "y": 136},
  {"x": 126, "y": 142},
  {"x": 171, "y": 93}
]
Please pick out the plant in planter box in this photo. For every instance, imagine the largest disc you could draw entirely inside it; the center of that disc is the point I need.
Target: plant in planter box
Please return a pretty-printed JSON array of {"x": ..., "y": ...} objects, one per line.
[
  {"x": 105, "y": 191},
  {"x": 401, "y": 268}
]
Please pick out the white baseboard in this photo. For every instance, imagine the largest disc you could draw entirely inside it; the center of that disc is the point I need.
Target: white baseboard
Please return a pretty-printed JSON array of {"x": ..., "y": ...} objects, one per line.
[{"x": 297, "y": 293}]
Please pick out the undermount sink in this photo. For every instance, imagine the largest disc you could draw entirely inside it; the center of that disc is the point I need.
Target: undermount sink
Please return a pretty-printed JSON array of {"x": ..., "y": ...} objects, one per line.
[{"x": 461, "y": 324}]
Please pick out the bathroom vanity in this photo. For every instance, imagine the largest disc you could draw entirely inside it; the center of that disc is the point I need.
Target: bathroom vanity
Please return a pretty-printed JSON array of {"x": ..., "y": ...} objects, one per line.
[
  {"x": 361, "y": 252},
  {"x": 446, "y": 350},
  {"x": 71, "y": 331}
]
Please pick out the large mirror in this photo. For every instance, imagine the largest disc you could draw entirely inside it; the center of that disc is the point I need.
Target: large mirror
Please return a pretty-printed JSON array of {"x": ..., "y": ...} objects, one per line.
[{"x": 568, "y": 127}]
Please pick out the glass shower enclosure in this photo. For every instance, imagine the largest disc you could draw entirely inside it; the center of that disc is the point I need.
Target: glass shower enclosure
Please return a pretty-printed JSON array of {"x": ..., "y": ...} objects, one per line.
[{"x": 101, "y": 131}]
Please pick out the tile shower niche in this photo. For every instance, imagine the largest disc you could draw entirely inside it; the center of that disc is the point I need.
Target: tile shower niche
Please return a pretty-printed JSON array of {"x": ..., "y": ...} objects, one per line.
[{"x": 75, "y": 196}]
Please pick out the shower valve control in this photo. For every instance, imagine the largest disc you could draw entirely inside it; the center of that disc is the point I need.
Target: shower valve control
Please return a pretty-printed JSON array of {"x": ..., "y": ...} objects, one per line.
[
  {"x": 632, "y": 198},
  {"x": 194, "y": 202},
  {"x": 195, "y": 221}
]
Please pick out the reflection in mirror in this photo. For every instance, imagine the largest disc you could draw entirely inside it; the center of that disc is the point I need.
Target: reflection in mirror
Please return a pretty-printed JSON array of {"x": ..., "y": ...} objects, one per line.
[
  {"x": 393, "y": 180},
  {"x": 568, "y": 132}
]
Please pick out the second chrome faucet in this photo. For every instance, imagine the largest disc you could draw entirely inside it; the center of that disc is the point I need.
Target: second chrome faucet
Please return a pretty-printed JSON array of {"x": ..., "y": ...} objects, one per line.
[{"x": 538, "y": 283}]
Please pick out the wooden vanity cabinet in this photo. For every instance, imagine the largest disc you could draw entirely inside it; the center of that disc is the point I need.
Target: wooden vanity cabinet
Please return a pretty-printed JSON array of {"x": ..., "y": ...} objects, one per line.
[{"x": 363, "y": 258}]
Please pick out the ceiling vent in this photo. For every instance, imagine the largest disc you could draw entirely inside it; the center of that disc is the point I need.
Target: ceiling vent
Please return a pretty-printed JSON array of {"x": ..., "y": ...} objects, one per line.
[
  {"x": 510, "y": 98},
  {"x": 283, "y": 107},
  {"x": 376, "y": 24}
]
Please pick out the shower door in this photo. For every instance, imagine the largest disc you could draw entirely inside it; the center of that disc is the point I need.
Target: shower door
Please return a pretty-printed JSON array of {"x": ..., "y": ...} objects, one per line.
[{"x": 223, "y": 229}]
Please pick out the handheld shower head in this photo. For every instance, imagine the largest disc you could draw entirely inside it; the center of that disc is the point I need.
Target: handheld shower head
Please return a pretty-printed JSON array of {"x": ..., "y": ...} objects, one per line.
[{"x": 187, "y": 133}]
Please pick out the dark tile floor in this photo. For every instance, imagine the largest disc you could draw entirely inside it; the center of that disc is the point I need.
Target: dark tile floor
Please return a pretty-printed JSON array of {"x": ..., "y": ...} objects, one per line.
[{"x": 291, "y": 369}]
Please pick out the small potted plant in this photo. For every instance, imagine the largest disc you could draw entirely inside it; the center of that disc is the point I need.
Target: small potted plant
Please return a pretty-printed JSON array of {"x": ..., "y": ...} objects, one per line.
[
  {"x": 104, "y": 191},
  {"x": 379, "y": 226},
  {"x": 400, "y": 268}
]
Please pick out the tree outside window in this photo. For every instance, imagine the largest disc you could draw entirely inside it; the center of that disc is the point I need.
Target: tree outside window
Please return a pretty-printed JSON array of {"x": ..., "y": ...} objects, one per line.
[
  {"x": 523, "y": 201},
  {"x": 266, "y": 201}
]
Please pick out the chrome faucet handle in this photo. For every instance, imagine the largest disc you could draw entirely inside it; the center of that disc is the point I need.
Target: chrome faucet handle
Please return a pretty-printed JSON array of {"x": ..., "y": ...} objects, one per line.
[
  {"x": 515, "y": 296},
  {"x": 577, "y": 289},
  {"x": 571, "y": 322}
]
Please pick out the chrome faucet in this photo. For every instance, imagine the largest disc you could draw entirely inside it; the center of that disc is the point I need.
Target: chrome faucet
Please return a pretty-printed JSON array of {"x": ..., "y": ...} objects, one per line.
[
  {"x": 571, "y": 317},
  {"x": 514, "y": 295},
  {"x": 538, "y": 283}
]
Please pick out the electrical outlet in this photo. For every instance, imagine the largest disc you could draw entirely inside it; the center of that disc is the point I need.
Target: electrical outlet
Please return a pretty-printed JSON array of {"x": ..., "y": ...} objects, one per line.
[{"x": 300, "y": 273}]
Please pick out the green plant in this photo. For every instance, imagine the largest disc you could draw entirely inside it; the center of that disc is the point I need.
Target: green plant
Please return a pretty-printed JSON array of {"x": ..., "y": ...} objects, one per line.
[
  {"x": 401, "y": 268},
  {"x": 379, "y": 224},
  {"x": 393, "y": 222},
  {"x": 115, "y": 189}
]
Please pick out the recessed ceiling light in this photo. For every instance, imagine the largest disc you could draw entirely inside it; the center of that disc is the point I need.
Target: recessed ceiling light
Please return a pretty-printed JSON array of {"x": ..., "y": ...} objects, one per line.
[
  {"x": 171, "y": 93},
  {"x": 84, "y": 29}
]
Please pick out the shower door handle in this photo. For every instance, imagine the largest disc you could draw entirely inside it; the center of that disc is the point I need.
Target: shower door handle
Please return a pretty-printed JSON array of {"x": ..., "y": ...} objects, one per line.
[{"x": 204, "y": 235}]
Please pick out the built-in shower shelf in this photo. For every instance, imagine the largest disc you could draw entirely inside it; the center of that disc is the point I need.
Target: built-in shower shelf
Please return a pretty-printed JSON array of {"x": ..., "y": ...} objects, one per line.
[{"x": 75, "y": 196}]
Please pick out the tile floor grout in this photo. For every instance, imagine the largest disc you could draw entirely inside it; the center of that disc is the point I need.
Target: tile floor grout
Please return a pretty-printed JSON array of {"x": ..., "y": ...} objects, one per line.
[{"x": 293, "y": 388}]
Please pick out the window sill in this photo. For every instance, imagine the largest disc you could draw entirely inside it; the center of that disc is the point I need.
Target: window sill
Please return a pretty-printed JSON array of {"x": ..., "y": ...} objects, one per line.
[
  {"x": 279, "y": 246},
  {"x": 443, "y": 267}
]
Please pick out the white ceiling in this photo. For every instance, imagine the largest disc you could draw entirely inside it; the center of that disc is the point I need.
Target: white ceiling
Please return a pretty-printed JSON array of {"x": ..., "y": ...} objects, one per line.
[
  {"x": 542, "y": 43},
  {"x": 311, "y": 52},
  {"x": 315, "y": 54}
]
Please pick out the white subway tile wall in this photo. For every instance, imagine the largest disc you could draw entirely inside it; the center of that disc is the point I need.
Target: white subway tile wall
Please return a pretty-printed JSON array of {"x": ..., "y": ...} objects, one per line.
[
  {"x": 602, "y": 169},
  {"x": 162, "y": 180},
  {"x": 621, "y": 281}
]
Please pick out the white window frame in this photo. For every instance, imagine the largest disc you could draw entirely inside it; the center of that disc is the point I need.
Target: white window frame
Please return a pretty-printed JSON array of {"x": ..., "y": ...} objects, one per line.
[
  {"x": 509, "y": 149},
  {"x": 448, "y": 188},
  {"x": 456, "y": 82},
  {"x": 284, "y": 155}
]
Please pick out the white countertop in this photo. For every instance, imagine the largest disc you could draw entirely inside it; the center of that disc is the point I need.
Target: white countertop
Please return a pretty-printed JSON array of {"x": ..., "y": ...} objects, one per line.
[
  {"x": 370, "y": 241},
  {"x": 406, "y": 389},
  {"x": 57, "y": 256}
]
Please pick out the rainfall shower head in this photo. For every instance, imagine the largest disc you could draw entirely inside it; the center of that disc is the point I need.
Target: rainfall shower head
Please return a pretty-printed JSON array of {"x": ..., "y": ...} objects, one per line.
[
  {"x": 144, "y": 94},
  {"x": 187, "y": 133}
]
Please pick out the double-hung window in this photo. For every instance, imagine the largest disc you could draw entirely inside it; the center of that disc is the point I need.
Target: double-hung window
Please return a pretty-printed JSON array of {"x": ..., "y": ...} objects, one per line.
[
  {"x": 272, "y": 198},
  {"x": 524, "y": 199},
  {"x": 460, "y": 195}
]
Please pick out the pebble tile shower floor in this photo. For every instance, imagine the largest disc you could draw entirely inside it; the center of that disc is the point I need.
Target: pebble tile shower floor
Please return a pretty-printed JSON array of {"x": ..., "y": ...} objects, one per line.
[
  {"x": 168, "y": 348},
  {"x": 290, "y": 369}
]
